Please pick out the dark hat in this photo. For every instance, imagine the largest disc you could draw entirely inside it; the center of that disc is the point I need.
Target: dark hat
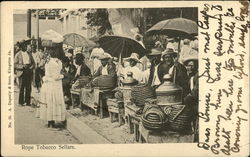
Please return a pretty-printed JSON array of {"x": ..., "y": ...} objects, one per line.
[{"x": 80, "y": 56}]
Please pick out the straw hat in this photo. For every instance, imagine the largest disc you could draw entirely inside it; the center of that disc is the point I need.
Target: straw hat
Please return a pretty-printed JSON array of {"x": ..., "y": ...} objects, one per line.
[
  {"x": 156, "y": 51},
  {"x": 134, "y": 56},
  {"x": 168, "y": 51},
  {"x": 189, "y": 58}
]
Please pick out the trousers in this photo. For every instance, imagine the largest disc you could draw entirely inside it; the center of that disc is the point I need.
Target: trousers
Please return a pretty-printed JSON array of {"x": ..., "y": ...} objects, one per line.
[{"x": 25, "y": 86}]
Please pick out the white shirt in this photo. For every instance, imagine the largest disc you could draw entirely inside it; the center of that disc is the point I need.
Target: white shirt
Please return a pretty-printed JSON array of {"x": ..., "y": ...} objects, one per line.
[
  {"x": 78, "y": 71},
  {"x": 67, "y": 69},
  {"x": 137, "y": 73},
  {"x": 105, "y": 70},
  {"x": 156, "y": 80},
  {"x": 26, "y": 57},
  {"x": 192, "y": 82}
]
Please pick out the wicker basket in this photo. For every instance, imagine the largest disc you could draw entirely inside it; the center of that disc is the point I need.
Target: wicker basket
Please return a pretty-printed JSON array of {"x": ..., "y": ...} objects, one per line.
[
  {"x": 142, "y": 92},
  {"x": 180, "y": 120},
  {"x": 105, "y": 81},
  {"x": 83, "y": 81},
  {"x": 153, "y": 117}
]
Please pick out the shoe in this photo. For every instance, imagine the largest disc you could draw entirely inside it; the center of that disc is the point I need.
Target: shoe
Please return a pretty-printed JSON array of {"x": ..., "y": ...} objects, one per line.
[{"x": 28, "y": 105}]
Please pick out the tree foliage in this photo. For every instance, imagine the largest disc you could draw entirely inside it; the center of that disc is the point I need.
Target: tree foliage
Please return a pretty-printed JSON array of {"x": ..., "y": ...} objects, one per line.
[{"x": 99, "y": 18}]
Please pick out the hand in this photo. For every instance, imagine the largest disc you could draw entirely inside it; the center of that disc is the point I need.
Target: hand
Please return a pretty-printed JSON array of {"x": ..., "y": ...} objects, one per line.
[{"x": 25, "y": 66}]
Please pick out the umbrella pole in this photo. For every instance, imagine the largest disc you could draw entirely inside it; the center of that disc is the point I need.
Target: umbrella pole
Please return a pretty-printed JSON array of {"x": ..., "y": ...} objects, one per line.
[
  {"x": 178, "y": 54},
  {"x": 118, "y": 68}
]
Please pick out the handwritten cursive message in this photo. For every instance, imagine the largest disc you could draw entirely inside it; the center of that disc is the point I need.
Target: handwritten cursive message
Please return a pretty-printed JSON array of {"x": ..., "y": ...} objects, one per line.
[{"x": 224, "y": 67}]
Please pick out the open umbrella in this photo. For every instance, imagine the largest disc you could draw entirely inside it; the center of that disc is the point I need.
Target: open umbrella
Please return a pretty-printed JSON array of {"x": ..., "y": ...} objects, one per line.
[
  {"x": 177, "y": 27},
  {"x": 121, "y": 47},
  {"x": 76, "y": 40}
]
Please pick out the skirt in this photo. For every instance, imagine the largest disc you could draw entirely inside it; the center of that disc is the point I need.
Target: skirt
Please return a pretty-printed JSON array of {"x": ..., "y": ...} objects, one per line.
[{"x": 52, "y": 105}]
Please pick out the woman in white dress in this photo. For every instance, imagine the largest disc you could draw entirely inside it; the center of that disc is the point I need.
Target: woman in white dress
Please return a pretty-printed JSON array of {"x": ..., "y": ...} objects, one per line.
[{"x": 52, "y": 108}]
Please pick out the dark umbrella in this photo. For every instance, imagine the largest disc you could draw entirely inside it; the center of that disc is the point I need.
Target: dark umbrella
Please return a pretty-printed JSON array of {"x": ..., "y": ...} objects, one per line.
[
  {"x": 76, "y": 40},
  {"x": 121, "y": 47},
  {"x": 177, "y": 27}
]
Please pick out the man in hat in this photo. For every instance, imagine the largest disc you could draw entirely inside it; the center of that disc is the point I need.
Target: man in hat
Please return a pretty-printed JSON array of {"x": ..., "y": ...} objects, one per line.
[
  {"x": 176, "y": 70},
  {"x": 155, "y": 59},
  {"x": 83, "y": 69},
  {"x": 105, "y": 68},
  {"x": 24, "y": 64},
  {"x": 191, "y": 100},
  {"x": 133, "y": 60}
]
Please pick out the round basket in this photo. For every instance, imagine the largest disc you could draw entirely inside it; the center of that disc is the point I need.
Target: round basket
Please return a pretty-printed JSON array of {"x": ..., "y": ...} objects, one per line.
[
  {"x": 140, "y": 93},
  {"x": 153, "y": 117},
  {"x": 83, "y": 81},
  {"x": 182, "y": 121},
  {"x": 105, "y": 81}
]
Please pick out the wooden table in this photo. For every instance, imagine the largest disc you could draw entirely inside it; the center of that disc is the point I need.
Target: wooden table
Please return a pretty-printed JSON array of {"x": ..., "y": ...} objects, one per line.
[
  {"x": 149, "y": 136},
  {"x": 134, "y": 120},
  {"x": 115, "y": 107},
  {"x": 104, "y": 94},
  {"x": 96, "y": 98}
]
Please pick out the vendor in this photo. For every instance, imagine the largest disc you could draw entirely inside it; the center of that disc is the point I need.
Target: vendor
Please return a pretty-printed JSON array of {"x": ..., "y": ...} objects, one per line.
[
  {"x": 83, "y": 69},
  {"x": 106, "y": 68},
  {"x": 191, "y": 100},
  {"x": 155, "y": 58},
  {"x": 133, "y": 60},
  {"x": 174, "y": 68},
  {"x": 68, "y": 70}
]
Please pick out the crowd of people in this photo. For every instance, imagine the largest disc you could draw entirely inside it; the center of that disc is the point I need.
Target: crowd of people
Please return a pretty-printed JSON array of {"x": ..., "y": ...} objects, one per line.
[{"x": 53, "y": 73}]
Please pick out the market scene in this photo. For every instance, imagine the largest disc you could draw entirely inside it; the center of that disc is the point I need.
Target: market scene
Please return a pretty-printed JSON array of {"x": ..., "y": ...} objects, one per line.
[{"x": 99, "y": 76}]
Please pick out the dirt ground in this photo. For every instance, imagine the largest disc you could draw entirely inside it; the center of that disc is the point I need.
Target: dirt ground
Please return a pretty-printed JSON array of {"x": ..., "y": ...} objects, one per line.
[
  {"x": 111, "y": 131},
  {"x": 32, "y": 130}
]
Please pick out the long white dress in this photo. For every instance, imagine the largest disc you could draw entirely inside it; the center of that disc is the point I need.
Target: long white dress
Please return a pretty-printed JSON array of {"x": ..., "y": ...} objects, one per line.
[{"x": 52, "y": 105}]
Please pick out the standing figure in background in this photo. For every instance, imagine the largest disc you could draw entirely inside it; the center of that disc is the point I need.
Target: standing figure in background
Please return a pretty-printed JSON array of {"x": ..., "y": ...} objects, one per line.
[
  {"x": 192, "y": 99},
  {"x": 185, "y": 50},
  {"x": 24, "y": 65},
  {"x": 68, "y": 72}
]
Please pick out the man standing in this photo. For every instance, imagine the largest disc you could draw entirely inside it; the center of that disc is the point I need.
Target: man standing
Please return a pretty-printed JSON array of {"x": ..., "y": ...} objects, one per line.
[{"x": 24, "y": 65}]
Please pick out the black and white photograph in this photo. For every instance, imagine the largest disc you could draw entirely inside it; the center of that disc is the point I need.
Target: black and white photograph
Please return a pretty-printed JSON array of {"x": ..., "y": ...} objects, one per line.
[
  {"x": 125, "y": 78},
  {"x": 106, "y": 75}
]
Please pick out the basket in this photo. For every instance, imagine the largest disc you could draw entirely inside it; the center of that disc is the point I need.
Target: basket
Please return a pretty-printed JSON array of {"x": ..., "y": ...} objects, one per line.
[
  {"x": 83, "y": 81},
  {"x": 180, "y": 121},
  {"x": 105, "y": 81},
  {"x": 140, "y": 93},
  {"x": 153, "y": 117}
]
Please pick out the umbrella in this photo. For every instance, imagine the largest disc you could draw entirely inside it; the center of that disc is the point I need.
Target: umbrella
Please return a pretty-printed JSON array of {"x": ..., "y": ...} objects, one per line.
[
  {"x": 76, "y": 40},
  {"x": 175, "y": 27},
  {"x": 121, "y": 47}
]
